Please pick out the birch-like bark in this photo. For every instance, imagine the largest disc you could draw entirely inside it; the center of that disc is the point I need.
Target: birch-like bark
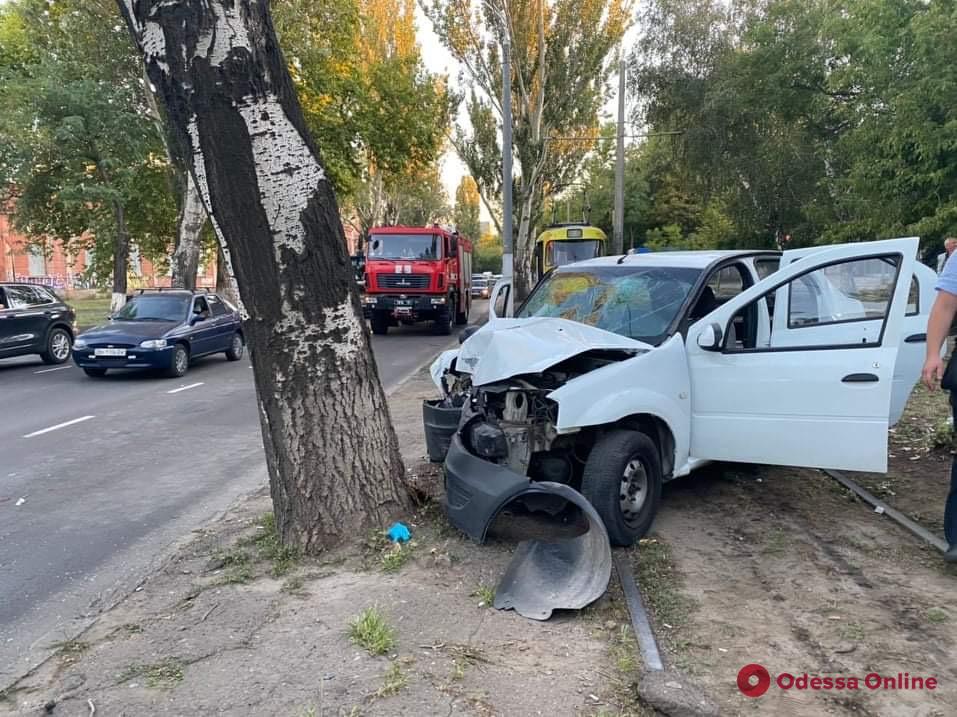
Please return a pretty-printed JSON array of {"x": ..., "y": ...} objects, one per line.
[
  {"x": 189, "y": 228},
  {"x": 332, "y": 454}
]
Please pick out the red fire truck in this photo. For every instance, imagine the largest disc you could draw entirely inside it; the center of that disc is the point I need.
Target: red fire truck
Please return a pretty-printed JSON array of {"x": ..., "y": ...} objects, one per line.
[{"x": 417, "y": 274}]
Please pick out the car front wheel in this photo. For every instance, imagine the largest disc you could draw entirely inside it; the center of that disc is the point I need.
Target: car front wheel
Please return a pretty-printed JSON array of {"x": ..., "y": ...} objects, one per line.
[
  {"x": 59, "y": 344},
  {"x": 622, "y": 480},
  {"x": 236, "y": 348},
  {"x": 179, "y": 364}
]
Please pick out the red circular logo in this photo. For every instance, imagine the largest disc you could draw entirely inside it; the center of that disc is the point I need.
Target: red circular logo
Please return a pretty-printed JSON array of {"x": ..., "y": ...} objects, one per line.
[{"x": 753, "y": 680}]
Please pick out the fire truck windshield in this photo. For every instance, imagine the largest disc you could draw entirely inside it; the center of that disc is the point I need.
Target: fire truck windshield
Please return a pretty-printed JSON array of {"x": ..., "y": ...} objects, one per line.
[{"x": 405, "y": 246}]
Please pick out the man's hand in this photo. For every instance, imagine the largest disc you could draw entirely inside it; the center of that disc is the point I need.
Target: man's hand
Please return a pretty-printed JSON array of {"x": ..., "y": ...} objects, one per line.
[{"x": 933, "y": 372}]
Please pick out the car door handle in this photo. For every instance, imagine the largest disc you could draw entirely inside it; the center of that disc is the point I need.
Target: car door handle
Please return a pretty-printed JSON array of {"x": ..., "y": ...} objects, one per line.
[
  {"x": 916, "y": 339},
  {"x": 860, "y": 378}
]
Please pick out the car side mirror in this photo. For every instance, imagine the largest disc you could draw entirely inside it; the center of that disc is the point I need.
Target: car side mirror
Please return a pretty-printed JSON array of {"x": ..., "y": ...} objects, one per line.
[
  {"x": 196, "y": 318},
  {"x": 466, "y": 333},
  {"x": 710, "y": 338}
]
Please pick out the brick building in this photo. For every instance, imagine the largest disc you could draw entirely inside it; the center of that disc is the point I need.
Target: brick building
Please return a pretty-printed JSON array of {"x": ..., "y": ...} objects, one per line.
[{"x": 52, "y": 266}]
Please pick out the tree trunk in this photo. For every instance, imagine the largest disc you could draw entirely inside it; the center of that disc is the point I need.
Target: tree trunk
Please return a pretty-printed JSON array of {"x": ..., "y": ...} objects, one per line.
[
  {"x": 332, "y": 454},
  {"x": 524, "y": 245},
  {"x": 225, "y": 281},
  {"x": 189, "y": 227},
  {"x": 121, "y": 259}
]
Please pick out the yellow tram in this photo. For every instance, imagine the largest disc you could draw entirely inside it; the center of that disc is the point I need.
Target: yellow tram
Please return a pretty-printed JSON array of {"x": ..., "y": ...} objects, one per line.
[{"x": 561, "y": 244}]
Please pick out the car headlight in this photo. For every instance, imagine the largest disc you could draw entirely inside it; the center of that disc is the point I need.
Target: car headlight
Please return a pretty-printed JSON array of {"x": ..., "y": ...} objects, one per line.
[
  {"x": 369, "y": 299},
  {"x": 438, "y": 300},
  {"x": 79, "y": 344},
  {"x": 153, "y": 344}
]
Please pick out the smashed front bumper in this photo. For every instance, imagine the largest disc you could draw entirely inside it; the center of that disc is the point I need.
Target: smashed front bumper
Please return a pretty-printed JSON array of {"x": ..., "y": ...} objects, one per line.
[{"x": 544, "y": 575}]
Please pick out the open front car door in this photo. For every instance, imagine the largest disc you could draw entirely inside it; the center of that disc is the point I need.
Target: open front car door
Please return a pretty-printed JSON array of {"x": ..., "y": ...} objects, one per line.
[{"x": 811, "y": 383}]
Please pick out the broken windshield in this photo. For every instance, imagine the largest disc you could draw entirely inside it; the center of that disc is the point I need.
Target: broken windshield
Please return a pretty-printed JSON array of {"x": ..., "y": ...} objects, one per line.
[
  {"x": 404, "y": 246},
  {"x": 638, "y": 302}
]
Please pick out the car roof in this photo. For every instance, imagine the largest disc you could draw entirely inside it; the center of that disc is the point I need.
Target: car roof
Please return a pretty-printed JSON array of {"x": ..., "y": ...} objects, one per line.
[{"x": 685, "y": 259}]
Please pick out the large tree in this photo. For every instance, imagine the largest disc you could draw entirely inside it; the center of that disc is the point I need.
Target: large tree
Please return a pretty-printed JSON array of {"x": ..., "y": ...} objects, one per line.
[
  {"x": 76, "y": 144},
  {"x": 467, "y": 208},
  {"x": 559, "y": 83},
  {"x": 331, "y": 451},
  {"x": 819, "y": 120}
]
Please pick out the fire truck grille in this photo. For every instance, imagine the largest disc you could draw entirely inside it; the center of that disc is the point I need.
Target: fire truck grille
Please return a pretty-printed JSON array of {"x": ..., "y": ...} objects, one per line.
[{"x": 403, "y": 281}]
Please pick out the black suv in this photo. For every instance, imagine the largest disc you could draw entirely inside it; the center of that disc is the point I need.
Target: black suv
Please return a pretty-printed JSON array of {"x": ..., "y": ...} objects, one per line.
[{"x": 34, "y": 320}]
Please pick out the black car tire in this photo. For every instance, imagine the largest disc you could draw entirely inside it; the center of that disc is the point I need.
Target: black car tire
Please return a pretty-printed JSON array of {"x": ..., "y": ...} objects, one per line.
[
  {"x": 443, "y": 324},
  {"x": 380, "y": 324},
  {"x": 236, "y": 348},
  {"x": 462, "y": 317},
  {"x": 179, "y": 364},
  {"x": 95, "y": 372},
  {"x": 58, "y": 346},
  {"x": 617, "y": 458}
]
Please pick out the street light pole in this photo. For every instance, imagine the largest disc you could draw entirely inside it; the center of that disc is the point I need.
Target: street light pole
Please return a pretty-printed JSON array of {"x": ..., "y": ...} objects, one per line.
[
  {"x": 618, "y": 229},
  {"x": 508, "y": 268}
]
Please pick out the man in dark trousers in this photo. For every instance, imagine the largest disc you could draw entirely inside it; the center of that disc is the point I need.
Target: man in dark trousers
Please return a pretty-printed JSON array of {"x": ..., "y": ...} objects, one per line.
[{"x": 938, "y": 327}]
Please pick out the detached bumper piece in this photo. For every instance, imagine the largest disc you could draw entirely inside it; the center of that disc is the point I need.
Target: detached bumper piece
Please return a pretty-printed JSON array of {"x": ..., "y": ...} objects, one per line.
[{"x": 544, "y": 575}]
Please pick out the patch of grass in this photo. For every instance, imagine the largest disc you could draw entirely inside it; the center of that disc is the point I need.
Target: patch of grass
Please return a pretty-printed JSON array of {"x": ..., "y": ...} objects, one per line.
[
  {"x": 70, "y": 649},
  {"x": 372, "y": 632},
  {"x": 458, "y": 670},
  {"x": 485, "y": 594},
  {"x": 852, "y": 631},
  {"x": 238, "y": 565},
  {"x": 165, "y": 674},
  {"x": 269, "y": 547},
  {"x": 937, "y": 615},
  {"x": 624, "y": 652},
  {"x": 776, "y": 542},
  {"x": 660, "y": 586},
  {"x": 90, "y": 312},
  {"x": 394, "y": 681},
  {"x": 396, "y": 556},
  {"x": 294, "y": 586}
]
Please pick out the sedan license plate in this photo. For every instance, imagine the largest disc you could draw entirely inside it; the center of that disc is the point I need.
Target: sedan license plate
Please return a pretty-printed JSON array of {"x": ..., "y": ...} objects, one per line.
[{"x": 109, "y": 352}]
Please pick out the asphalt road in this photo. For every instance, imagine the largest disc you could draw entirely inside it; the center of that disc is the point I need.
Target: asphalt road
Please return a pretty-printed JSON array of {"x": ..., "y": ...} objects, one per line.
[{"x": 100, "y": 478}]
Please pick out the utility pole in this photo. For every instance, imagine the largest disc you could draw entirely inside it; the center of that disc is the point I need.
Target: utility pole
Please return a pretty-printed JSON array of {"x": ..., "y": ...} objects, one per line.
[{"x": 618, "y": 221}]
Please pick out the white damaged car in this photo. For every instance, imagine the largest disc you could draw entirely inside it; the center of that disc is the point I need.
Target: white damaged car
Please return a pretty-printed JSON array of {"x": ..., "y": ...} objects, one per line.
[{"x": 620, "y": 373}]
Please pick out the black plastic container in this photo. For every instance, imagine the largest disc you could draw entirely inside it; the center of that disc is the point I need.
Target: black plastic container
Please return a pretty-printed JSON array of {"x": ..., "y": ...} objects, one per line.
[{"x": 441, "y": 423}]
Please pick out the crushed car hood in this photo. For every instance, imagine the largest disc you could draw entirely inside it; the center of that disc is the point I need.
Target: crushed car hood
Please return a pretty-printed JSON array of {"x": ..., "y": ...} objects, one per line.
[{"x": 509, "y": 347}]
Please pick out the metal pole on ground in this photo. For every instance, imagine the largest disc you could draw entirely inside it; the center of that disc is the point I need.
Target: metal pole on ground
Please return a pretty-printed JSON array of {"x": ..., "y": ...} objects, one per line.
[{"x": 618, "y": 231}]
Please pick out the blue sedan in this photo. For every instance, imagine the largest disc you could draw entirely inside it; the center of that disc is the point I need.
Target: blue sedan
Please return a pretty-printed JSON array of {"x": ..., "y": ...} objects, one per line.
[{"x": 162, "y": 330}]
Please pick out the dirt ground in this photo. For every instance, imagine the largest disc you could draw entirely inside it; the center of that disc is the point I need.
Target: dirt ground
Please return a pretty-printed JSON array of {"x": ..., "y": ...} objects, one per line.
[{"x": 745, "y": 564}]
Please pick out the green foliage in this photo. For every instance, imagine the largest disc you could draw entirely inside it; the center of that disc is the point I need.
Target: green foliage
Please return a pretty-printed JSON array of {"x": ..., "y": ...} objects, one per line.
[
  {"x": 488, "y": 255},
  {"x": 831, "y": 122},
  {"x": 372, "y": 632},
  {"x": 466, "y": 215},
  {"x": 378, "y": 117},
  {"x": 558, "y": 53},
  {"x": 77, "y": 143}
]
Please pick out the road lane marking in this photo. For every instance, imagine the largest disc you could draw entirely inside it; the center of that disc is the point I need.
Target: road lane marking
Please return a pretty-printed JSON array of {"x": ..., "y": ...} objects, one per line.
[
  {"x": 185, "y": 388},
  {"x": 58, "y": 426},
  {"x": 58, "y": 368}
]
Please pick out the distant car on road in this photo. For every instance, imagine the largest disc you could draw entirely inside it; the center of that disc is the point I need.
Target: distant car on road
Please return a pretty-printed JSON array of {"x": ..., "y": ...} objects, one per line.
[
  {"x": 163, "y": 330},
  {"x": 34, "y": 320},
  {"x": 480, "y": 286}
]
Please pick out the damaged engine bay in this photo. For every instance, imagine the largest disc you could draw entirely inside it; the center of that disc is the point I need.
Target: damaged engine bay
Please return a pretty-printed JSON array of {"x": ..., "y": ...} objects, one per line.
[{"x": 513, "y": 422}]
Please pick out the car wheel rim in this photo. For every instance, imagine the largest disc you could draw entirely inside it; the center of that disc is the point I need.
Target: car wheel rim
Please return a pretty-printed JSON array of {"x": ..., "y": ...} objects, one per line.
[
  {"x": 60, "y": 345},
  {"x": 181, "y": 360},
  {"x": 633, "y": 491}
]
